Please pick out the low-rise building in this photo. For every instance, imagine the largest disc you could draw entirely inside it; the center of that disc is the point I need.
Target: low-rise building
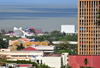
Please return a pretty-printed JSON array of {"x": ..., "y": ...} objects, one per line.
[
  {"x": 22, "y": 55},
  {"x": 46, "y": 49},
  {"x": 34, "y": 55},
  {"x": 68, "y": 29},
  {"x": 55, "y": 60},
  {"x": 4, "y": 49},
  {"x": 25, "y": 43},
  {"x": 70, "y": 42}
]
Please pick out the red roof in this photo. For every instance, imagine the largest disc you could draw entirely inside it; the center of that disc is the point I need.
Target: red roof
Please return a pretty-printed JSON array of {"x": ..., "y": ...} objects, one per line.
[
  {"x": 31, "y": 28},
  {"x": 75, "y": 61},
  {"x": 23, "y": 65},
  {"x": 29, "y": 49},
  {"x": 25, "y": 39}
]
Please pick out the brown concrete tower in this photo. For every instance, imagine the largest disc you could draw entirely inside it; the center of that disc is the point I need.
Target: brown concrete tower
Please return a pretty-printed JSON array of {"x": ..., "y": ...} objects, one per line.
[{"x": 88, "y": 27}]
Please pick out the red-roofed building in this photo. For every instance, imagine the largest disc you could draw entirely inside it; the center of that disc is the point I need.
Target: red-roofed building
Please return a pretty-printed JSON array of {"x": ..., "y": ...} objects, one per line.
[
  {"x": 29, "y": 49},
  {"x": 24, "y": 65},
  {"x": 18, "y": 65},
  {"x": 75, "y": 61}
]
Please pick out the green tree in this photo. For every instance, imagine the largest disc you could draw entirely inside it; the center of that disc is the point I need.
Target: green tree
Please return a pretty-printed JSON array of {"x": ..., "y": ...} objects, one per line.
[
  {"x": 85, "y": 61},
  {"x": 20, "y": 47},
  {"x": 3, "y": 44},
  {"x": 64, "y": 34},
  {"x": 66, "y": 66},
  {"x": 56, "y": 33},
  {"x": 71, "y": 37},
  {"x": 43, "y": 66},
  {"x": 46, "y": 32}
]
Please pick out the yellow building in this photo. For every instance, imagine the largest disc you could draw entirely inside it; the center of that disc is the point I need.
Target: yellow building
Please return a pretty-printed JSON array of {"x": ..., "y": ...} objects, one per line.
[{"x": 25, "y": 43}]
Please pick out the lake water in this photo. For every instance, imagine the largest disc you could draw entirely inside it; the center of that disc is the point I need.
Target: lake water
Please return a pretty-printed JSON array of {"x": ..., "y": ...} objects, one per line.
[{"x": 48, "y": 19}]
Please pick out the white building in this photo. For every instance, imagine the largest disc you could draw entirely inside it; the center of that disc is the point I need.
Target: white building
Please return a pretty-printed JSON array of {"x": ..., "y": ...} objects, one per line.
[
  {"x": 56, "y": 60},
  {"x": 52, "y": 60},
  {"x": 4, "y": 50},
  {"x": 21, "y": 33},
  {"x": 46, "y": 49},
  {"x": 59, "y": 42},
  {"x": 69, "y": 29}
]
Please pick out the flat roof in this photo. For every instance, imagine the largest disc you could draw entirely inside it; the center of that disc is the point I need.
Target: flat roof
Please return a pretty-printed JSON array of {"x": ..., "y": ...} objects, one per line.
[{"x": 52, "y": 55}]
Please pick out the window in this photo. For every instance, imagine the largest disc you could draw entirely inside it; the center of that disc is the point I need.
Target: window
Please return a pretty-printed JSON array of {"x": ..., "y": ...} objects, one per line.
[
  {"x": 67, "y": 60},
  {"x": 41, "y": 61},
  {"x": 63, "y": 54},
  {"x": 67, "y": 63},
  {"x": 80, "y": 4},
  {"x": 80, "y": 28},
  {"x": 30, "y": 55},
  {"x": 14, "y": 55},
  {"x": 2, "y": 50},
  {"x": 82, "y": 42},
  {"x": 22, "y": 55},
  {"x": 38, "y": 61}
]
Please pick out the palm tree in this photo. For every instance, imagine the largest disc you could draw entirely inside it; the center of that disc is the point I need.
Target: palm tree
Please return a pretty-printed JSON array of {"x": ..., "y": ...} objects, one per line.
[{"x": 85, "y": 61}]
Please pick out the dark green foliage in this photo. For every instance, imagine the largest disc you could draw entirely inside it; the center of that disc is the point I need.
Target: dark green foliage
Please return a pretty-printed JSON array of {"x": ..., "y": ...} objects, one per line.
[
  {"x": 55, "y": 36},
  {"x": 71, "y": 38},
  {"x": 66, "y": 67},
  {"x": 65, "y": 47},
  {"x": 43, "y": 66},
  {"x": 85, "y": 61},
  {"x": 4, "y": 64},
  {"x": 9, "y": 38},
  {"x": 3, "y": 44},
  {"x": 56, "y": 33},
  {"x": 20, "y": 47}
]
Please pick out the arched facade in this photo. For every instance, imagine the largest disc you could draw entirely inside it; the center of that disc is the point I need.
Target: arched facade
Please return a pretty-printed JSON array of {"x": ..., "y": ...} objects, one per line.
[
  {"x": 44, "y": 44},
  {"x": 16, "y": 43},
  {"x": 26, "y": 44}
]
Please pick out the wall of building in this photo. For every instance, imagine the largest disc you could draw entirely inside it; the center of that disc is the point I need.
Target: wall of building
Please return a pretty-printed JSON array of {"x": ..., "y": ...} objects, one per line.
[
  {"x": 52, "y": 61},
  {"x": 68, "y": 28},
  {"x": 65, "y": 59},
  {"x": 88, "y": 27},
  {"x": 70, "y": 42},
  {"x": 75, "y": 61},
  {"x": 46, "y": 49},
  {"x": 25, "y": 43},
  {"x": 4, "y": 49},
  {"x": 22, "y": 55}
]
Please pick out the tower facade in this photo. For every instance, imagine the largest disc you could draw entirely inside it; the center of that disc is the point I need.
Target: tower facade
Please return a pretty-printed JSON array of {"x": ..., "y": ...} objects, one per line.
[{"x": 88, "y": 27}]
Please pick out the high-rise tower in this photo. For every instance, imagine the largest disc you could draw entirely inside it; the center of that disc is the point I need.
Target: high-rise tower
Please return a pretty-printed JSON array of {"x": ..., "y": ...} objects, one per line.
[{"x": 88, "y": 27}]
